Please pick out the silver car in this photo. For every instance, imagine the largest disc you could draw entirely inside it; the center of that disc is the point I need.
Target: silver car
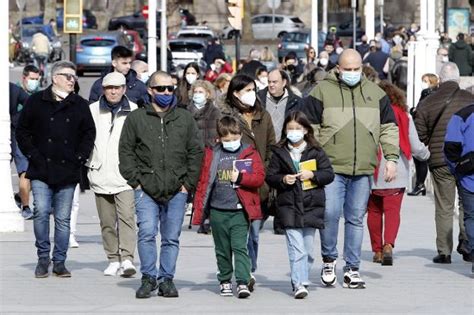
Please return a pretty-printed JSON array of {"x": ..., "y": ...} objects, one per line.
[{"x": 262, "y": 25}]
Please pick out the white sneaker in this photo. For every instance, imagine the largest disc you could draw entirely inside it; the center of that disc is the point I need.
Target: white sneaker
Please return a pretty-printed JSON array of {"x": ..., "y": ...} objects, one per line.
[
  {"x": 72, "y": 241},
  {"x": 301, "y": 292},
  {"x": 328, "y": 274},
  {"x": 189, "y": 209},
  {"x": 127, "y": 269},
  {"x": 112, "y": 269},
  {"x": 352, "y": 280}
]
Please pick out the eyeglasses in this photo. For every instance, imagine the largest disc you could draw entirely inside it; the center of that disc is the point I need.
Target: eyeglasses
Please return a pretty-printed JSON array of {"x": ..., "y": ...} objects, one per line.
[
  {"x": 162, "y": 88},
  {"x": 69, "y": 76}
]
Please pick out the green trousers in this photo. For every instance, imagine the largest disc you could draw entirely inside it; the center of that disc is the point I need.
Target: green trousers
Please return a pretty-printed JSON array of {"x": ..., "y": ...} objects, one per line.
[{"x": 230, "y": 233}]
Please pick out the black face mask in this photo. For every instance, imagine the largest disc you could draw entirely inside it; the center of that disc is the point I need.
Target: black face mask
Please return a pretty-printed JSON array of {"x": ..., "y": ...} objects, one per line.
[
  {"x": 364, "y": 42},
  {"x": 290, "y": 68}
]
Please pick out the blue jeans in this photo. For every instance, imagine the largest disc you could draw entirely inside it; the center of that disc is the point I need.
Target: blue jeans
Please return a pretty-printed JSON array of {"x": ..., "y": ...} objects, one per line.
[
  {"x": 60, "y": 200},
  {"x": 300, "y": 253},
  {"x": 169, "y": 217},
  {"x": 252, "y": 244},
  {"x": 346, "y": 195},
  {"x": 468, "y": 205}
]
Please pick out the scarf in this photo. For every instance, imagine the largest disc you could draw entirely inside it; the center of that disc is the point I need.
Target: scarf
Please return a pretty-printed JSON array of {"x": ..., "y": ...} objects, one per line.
[
  {"x": 296, "y": 153},
  {"x": 403, "y": 123}
]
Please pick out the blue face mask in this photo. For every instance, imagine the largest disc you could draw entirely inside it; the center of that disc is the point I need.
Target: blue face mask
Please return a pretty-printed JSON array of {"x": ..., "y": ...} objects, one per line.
[
  {"x": 164, "y": 100},
  {"x": 351, "y": 78},
  {"x": 32, "y": 85},
  {"x": 199, "y": 100},
  {"x": 231, "y": 146},
  {"x": 295, "y": 136}
]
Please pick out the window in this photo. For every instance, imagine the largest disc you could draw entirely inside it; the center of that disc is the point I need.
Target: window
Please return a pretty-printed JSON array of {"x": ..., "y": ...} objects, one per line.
[{"x": 97, "y": 42}]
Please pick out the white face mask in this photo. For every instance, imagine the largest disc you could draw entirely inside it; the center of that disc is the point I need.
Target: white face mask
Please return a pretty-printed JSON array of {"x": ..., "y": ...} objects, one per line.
[
  {"x": 424, "y": 85},
  {"x": 61, "y": 94},
  {"x": 191, "y": 78},
  {"x": 144, "y": 76},
  {"x": 264, "y": 80},
  {"x": 249, "y": 98},
  {"x": 324, "y": 62},
  {"x": 445, "y": 59}
]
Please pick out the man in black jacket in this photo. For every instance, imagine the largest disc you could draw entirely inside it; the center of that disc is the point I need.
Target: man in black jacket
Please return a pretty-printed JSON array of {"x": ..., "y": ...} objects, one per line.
[
  {"x": 56, "y": 133},
  {"x": 121, "y": 62}
]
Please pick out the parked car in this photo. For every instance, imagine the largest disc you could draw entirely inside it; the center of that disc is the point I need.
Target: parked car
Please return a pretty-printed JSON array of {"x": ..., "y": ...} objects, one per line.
[
  {"x": 262, "y": 25},
  {"x": 136, "y": 22},
  {"x": 93, "y": 51},
  {"x": 298, "y": 42},
  {"x": 25, "y": 51},
  {"x": 88, "y": 19},
  {"x": 345, "y": 29},
  {"x": 136, "y": 43},
  {"x": 203, "y": 32},
  {"x": 186, "y": 50}
]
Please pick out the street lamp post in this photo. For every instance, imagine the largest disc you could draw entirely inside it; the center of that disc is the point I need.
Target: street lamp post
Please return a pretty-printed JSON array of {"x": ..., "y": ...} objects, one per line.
[
  {"x": 381, "y": 3},
  {"x": 10, "y": 218},
  {"x": 163, "y": 37},
  {"x": 354, "y": 22},
  {"x": 152, "y": 36},
  {"x": 314, "y": 26}
]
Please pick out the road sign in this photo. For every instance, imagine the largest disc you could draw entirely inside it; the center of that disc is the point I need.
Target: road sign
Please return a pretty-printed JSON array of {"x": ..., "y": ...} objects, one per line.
[
  {"x": 145, "y": 11},
  {"x": 273, "y": 4},
  {"x": 72, "y": 16}
]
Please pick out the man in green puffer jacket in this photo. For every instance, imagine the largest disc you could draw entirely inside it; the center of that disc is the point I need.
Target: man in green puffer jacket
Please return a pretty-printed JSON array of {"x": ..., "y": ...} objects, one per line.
[
  {"x": 352, "y": 117},
  {"x": 160, "y": 154}
]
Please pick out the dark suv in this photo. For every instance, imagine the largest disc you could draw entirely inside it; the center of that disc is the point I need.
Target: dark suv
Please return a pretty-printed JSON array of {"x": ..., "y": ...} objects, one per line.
[{"x": 136, "y": 22}]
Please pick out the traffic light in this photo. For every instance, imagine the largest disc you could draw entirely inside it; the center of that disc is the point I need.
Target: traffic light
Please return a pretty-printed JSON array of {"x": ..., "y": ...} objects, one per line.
[
  {"x": 236, "y": 10},
  {"x": 72, "y": 16}
]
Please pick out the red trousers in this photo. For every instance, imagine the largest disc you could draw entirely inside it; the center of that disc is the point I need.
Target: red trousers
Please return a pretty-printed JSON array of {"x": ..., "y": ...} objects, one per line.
[{"x": 384, "y": 216}]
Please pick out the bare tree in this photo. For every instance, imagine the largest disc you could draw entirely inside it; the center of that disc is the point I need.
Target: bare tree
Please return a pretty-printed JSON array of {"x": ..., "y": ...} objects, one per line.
[{"x": 49, "y": 9}]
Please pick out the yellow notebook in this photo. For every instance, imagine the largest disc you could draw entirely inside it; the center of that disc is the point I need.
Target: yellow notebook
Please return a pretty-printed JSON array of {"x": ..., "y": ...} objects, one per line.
[{"x": 309, "y": 165}]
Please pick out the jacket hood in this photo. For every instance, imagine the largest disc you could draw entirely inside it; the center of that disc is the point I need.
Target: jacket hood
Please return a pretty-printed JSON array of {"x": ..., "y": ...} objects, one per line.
[{"x": 460, "y": 44}]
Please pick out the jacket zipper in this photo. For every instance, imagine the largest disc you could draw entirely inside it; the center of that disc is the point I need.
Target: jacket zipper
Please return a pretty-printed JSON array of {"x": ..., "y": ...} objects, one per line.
[{"x": 355, "y": 133}]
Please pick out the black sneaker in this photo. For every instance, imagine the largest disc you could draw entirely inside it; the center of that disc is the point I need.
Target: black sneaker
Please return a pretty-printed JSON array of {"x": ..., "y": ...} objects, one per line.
[
  {"x": 252, "y": 283},
  {"x": 148, "y": 286},
  {"x": 41, "y": 270},
  {"x": 442, "y": 259},
  {"x": 243, "y": 291},
  {"x": 60, "y": 270},
  {"x": 226, "y": 289},
  {"x": 26, "y": 213},
  {"x": 167, "y": 289}
]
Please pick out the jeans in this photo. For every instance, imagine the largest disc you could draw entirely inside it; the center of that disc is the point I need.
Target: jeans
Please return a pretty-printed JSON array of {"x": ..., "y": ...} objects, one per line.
[
  {"x": 300, "y": 253},
  {"x": 60, "y": 200},
  {"x": 252, "y": 244},
  {"x": 468, "y": 205},
  {"x": 346, "y": 195},
  {"x": 169, "y": 217}
]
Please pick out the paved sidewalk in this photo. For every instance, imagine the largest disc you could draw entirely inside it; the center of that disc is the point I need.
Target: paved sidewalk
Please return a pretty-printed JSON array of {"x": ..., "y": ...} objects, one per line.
[{"x": 414, "y": 285}]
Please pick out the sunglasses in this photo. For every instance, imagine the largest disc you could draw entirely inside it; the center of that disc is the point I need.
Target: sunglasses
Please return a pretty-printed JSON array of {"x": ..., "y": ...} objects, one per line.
[
  {"x": 69, "y": 76},
  {"x": 162, "y": 88}
]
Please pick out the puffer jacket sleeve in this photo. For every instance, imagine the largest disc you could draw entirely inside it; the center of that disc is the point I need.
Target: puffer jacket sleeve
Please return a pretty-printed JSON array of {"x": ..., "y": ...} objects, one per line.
[
  {"x": 324, "y": 174},
  {"x": 194, "y": 147},
  {"x": 128, "y": 164},
  {"x": 388, "y": 131},
  {"x": 418, "y": 149},
  {"x": 275, "y": 176}
]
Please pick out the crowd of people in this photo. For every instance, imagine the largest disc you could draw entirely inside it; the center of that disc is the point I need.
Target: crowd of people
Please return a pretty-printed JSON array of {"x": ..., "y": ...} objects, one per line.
[{"x": 306, "y": 141}]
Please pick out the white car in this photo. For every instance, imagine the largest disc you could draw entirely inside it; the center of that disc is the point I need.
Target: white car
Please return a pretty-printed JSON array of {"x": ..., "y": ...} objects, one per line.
[
  {"x": 186, "y": 50},
  {"x": 262, "y": 26},
  {"x": 202, "y": 32}
]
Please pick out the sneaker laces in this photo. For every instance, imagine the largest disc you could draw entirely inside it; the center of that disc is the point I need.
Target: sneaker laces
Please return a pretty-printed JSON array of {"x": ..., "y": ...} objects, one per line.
[{"x": 328, "y": 268}]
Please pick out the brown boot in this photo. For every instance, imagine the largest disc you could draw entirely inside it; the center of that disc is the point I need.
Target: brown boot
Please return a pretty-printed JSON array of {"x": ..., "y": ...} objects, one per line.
[
  {"x": 387, "y": 255},
  {"x": 377, "y": 257}
]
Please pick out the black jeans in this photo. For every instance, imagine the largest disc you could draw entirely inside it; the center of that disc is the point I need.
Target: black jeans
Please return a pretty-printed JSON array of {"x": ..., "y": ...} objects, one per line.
[{"x": 421, "y": 168}]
